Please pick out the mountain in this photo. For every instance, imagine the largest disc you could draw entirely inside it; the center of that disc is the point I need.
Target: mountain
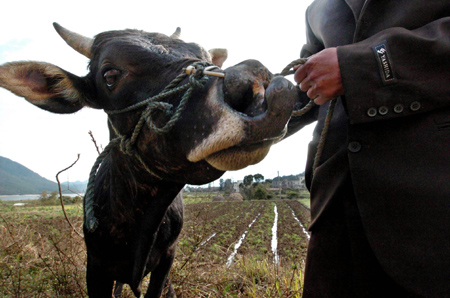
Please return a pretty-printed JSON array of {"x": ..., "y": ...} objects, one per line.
[{"x": 16, "y": 179}]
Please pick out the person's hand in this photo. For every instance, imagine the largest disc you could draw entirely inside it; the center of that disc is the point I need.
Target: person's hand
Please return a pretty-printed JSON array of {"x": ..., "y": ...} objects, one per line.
[{"x": 320, "y": 76}]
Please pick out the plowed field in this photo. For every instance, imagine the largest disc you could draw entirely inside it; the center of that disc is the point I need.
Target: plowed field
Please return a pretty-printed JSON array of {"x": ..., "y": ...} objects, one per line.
[{"x": 223, "y": 236}]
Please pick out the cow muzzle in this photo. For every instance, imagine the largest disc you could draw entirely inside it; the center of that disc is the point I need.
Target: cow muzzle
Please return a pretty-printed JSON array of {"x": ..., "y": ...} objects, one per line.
[{"x": 253, "y": 109}]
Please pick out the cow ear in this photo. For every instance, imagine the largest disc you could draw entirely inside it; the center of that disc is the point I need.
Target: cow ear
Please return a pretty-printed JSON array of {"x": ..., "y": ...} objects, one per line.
[
  {"x": 218, "y": 56},
  {"x": 44, "y": 85}
]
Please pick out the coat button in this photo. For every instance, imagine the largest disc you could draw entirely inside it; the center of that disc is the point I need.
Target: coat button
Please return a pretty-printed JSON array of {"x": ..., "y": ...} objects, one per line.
[
  {"x": 372, "y": 112},
  {"x": 354, "y": 147},
  {"x": 398, "y": 108},
  {"x": 415, "y": 106},
  {"x": 383, "y": 110}
]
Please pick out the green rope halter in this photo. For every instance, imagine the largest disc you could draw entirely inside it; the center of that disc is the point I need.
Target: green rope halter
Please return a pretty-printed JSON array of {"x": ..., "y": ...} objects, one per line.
[{"x": 127, "y": 145}]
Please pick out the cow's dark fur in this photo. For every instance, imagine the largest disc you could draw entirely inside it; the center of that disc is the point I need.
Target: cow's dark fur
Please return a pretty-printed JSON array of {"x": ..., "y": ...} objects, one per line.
[
  {"x": 135, "y": 230},
  {"x": 140, "y": 215}
]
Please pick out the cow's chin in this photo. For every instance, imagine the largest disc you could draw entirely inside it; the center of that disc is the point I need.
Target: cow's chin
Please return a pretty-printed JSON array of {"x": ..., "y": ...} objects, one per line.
[{"x": 239, "y": 157}]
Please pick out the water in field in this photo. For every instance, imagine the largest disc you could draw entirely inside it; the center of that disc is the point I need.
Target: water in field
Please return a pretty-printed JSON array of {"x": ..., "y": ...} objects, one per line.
[
  {"x": 219, "y": 232},
  {"x": 274, "y": 236},
  {"x": 239, "y": 243},
  {"x": 19, "y": 197},
  {"x": 206, "y": 241},
  {"x": 303, "y": 227},
  {"x": 31, "y": 197}
]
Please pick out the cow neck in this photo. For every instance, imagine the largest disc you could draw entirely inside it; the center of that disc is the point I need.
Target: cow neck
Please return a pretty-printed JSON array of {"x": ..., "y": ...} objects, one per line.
[
  {"x": 133, "y": 206},
  {"x": 127, "y": 179}
]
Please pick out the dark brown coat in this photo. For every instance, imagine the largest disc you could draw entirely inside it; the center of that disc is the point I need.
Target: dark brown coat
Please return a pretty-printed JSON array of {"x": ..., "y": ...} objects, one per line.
[{"x": 390, "y": 135}]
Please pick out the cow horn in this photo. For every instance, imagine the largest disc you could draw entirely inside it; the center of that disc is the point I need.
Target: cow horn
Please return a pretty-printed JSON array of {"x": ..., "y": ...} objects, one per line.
[
  {"x": 78, "y": 42},
  {"x": 176, "y": 34}
]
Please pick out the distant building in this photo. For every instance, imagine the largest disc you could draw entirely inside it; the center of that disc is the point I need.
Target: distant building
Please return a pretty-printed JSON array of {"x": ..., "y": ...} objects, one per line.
[
  {"x": 292, "y": 181},
  {"x": 236, "y": 185}
]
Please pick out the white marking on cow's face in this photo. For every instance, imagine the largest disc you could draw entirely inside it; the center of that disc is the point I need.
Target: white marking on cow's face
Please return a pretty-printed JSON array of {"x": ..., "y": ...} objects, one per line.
[
  {"x": 225, "y": 148},
  {"x": 228, "y": 132}
]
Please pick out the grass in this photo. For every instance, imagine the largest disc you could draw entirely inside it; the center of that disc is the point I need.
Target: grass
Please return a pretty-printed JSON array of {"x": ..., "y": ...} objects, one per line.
[
  {"x": 40, "y": 256},
  {"x": 305, "y": 202},
  {"x": 248, "y": 277}
]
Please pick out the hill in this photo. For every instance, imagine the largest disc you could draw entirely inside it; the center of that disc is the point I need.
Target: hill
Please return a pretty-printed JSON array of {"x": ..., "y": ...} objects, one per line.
[{"x": 16, "y": 179}]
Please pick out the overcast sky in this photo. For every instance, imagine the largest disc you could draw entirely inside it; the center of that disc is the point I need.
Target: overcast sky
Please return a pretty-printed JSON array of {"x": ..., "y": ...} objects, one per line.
[{"x": 269, "y": 31}]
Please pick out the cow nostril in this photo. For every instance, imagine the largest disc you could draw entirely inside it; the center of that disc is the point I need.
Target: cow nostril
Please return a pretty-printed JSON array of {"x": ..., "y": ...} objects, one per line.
[
  {"x": 257, "y": 106},
  {"x": 251, "y": 102},
  {"x": 244, "y": 88}
]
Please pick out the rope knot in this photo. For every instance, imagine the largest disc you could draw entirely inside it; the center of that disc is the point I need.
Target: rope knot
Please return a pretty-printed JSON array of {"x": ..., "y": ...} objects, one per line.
[
  {"x": 197, "y": 78},
  {"x": 166, "y": 111},
  {"x": 126, "y": 146}
]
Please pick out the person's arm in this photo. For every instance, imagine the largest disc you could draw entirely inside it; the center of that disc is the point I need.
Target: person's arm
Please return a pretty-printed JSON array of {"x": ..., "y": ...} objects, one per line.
[
  {"x": 397, "y": 72},
  {"x": 394, "y": 73}
]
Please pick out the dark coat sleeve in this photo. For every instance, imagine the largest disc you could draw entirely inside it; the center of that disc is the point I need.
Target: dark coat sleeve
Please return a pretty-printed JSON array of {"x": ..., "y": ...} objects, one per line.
[{"x": 397, "y": 72}]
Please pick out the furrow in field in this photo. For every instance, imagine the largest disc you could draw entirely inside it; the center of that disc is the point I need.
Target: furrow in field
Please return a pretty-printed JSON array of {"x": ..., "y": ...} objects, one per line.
[
  {"x": 301, "y": 212},
  {"x": 301, "y": 225},
  {"x": 239, "y": 243},
  {"x": 258, "y": 242},
  {"x": 292, "y": 242},
  {"x": 211, "y": 237},
  {"x": 215, "y": 232}
]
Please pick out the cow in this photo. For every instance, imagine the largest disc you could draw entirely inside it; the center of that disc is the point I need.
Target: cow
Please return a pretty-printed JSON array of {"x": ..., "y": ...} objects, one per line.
[{"x": 218, "y": 123}]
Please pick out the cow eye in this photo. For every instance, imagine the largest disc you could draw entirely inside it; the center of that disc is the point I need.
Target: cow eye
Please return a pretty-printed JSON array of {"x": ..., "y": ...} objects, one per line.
[{"x": 111, "y": 77}]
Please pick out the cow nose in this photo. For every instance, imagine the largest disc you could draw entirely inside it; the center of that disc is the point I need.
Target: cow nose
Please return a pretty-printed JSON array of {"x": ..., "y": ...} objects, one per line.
[
  {"x": 264, "y": 103},
  {"x": 244, "y": 87}
]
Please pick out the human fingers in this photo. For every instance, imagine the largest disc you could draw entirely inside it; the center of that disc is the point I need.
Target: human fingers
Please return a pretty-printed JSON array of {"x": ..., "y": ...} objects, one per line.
[
  {"x": 306, "y": 84},
  {"x": 300, "y": 73},
  {"x": 320, "y": 100},
  {"x": 312, "y": 93}
]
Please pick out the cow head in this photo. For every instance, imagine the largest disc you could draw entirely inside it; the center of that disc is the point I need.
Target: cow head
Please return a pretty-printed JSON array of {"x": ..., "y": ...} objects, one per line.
[{"x": 228, "y": 124}]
